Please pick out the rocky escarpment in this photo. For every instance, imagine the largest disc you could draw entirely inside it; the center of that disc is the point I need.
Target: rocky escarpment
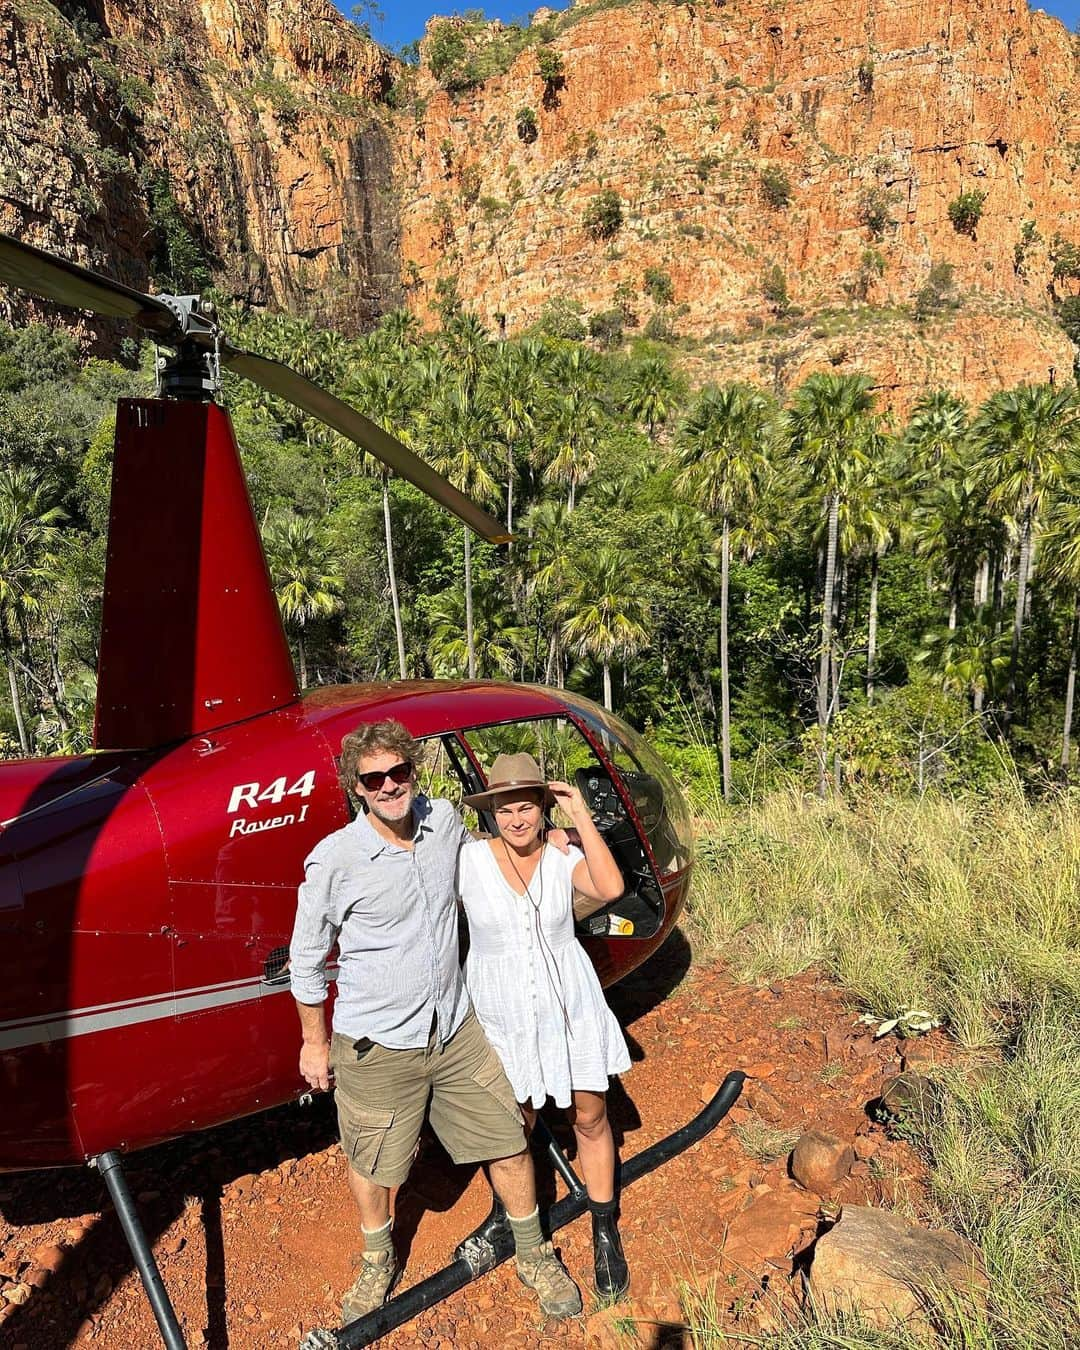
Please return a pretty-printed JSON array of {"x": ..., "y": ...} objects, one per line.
[
  {"x": 756, "y": 150},
  {"x": 784, "y": 187},
  {"x": 248, "y": 140}
]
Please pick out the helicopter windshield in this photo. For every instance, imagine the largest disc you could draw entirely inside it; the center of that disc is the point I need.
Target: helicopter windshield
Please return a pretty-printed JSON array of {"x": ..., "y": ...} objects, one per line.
[{"x": 652, "y": 788}]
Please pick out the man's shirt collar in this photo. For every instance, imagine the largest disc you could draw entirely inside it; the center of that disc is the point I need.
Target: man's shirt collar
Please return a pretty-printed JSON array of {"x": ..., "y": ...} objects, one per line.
[{"x": 373, "y": 843}]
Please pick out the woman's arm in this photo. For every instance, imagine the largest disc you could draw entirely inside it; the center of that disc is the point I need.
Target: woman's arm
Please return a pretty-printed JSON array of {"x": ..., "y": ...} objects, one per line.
[{"x": 597, "y": 875}]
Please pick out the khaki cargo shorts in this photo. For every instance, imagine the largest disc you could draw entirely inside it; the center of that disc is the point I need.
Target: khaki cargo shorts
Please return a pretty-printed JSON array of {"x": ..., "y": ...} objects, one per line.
[{"x": 382, "y": 1097}]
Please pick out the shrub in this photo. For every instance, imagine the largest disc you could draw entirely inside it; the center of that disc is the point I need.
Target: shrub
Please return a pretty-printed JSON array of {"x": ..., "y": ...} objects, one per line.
[
  {"x": 965, "y": 211},
  {"x": 469, "y": 183},
  {"x": 866, "y": 76},
  {"x": 774, "y": 289},
  {"x": 448, "y": 57},
  {"x": 562, "y": 318},
  {"x": 874, "y": 210},
  {"x": 659, "y": 328},
  {"x": 775, "y": 186},
  {"x": 934, "y": 294},
  {"x": 603, "y": 216},
  {"x": 1065, "y": 257},
  {"x": 1068, "y": 315},
  {"x": 657, "y": 284},
  {"x": 1029, "y": 235},
  {"x": 607, "y": 327},
  {"x": 527, "y": 126},
  {"x": 549, "y": 66},
  {"x": 705, "y": 166}
]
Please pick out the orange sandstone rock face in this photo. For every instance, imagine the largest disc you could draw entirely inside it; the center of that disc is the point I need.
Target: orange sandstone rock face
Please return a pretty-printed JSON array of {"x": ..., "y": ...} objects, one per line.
[
  {"x": 874, "y": 115},
  {"x": 270, "y": 125},
  {"x": 264, "y": 119}
]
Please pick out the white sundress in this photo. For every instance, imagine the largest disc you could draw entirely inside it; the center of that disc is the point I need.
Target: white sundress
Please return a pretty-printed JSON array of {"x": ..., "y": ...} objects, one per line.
[{"x": 520, "y": 985}]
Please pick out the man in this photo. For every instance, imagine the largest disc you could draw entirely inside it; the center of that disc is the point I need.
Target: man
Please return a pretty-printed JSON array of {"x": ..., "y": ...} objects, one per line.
[{"x": 383, "y": 888}]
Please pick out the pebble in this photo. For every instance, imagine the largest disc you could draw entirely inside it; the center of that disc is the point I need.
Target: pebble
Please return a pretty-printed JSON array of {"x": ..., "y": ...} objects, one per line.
[
  {"x": 49, "y": 1257},
  {"x": 16, "y": 1293}
]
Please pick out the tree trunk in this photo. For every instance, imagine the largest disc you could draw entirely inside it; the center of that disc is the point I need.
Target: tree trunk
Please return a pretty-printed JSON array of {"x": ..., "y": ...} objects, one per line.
[
  {"x": 391, "y": 570},
  {"x": 302, "y": 654},
  {"x": 1021, "y": 608},
  {"x": 13, "y": 687},
  {"x": 1070, "y": 688},
  {"x": 825, "y": 660},
  {"x": 509, "y": 492},
  {"x": 871, "y": 643},
  {"x": 469, "y": 641},
  {"x": 999, "y": 584},
  {"x": 607, "y": 687},
  {"x": 982, "y": 583},
  {"x": 725, "y": 689}
]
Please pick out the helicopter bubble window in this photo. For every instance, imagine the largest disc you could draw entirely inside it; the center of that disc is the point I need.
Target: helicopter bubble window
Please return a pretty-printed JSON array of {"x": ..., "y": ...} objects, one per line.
[{"x": 655, "y": 794}]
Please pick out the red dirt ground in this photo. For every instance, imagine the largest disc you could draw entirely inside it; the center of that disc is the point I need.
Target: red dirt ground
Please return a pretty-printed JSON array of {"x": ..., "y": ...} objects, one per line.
[{"x": 255, "y": 1235}]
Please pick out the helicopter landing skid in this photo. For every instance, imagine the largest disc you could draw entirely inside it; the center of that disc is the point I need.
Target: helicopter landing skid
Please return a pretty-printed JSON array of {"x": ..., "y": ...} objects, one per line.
[
  {"x": 483, "y": 1251},
  {"x": 111, "y": 1167}
]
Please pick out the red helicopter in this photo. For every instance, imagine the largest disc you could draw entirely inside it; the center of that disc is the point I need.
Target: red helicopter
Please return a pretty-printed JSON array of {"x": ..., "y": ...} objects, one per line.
[{"x": 147, "y": 888}]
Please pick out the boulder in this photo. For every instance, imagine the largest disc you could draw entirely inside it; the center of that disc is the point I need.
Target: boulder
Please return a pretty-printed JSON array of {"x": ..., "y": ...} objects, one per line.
[
  {"x": 884, "y": 1268},
  {"x": 820, "y": 1161},
  {"x": 908, "y": 1097}
]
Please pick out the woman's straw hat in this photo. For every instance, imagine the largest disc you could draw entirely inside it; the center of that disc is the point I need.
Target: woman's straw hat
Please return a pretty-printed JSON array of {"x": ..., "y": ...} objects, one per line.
[{"x": 508, "y": 773}]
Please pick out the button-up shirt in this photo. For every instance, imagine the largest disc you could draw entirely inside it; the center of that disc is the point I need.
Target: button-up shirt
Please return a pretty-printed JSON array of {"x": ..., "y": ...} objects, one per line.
[{"x": 393, "y": 914}]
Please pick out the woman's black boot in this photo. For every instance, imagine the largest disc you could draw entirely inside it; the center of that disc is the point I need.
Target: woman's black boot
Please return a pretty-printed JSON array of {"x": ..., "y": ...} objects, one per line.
[{"x": 609, "y": 1263}]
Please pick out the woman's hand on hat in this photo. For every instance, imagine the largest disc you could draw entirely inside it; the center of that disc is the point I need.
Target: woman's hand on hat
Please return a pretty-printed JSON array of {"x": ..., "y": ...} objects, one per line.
[{"x": 570, "y": 799}]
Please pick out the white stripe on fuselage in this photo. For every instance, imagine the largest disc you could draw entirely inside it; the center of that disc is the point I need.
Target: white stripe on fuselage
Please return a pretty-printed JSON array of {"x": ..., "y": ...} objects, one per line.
[{"x": 21, "y": 1032}]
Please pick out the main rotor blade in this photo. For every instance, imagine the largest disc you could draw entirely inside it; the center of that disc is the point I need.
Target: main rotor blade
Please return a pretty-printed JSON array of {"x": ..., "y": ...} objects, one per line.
[
  {"x": 296, "y": 389},
  {"x": 51, "y": 278}
]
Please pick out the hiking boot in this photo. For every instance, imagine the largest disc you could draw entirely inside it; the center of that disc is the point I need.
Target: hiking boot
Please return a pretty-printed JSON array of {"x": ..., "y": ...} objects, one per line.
[
  {"x": 370, "y": 1290},
  {"x": 541, "y": 1269}
]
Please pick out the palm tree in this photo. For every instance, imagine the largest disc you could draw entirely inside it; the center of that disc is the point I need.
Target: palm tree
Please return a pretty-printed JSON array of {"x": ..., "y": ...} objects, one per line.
[
  {"x": 511, "y": 387},
  {"x": 604, "y": 612},
  {"x": 305, "y": 577},
  {"x": 1061, "y": 563},
  {"x": 652, "y": 391},
  {"x": 573, "y": 420},
  {"x": 382, "y": 391},
  {"x": 827, "y": 429},
  {"x": 1026, "y": 436},
  {"x": 722, "y": 449},
  {"x": 29, "y": 538},
  {"x": 498, "y": 641},
  {"x": 458, "y": 432},
  {"x": 548, "y": 526}
]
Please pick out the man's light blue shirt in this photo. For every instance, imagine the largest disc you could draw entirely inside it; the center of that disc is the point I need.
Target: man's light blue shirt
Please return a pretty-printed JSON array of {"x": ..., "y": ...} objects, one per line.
[{"x": 393, "y": 913}]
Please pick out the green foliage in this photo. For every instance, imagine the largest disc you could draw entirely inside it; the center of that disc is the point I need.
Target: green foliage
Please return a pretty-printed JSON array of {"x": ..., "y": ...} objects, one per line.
[
  {"x": 447, "y": 53},
  {"x": 1029, "y": 236},
  {"x": 1065, "y": 257},
  {"x": 606, "y": 327},
  {"x": 965, "y": 211},
  {"x": 658, "y": 286},
  {"x": 603, "y": 216},
  {"x": 1068, "y": 315},
  {"x": 865, "y": 75},
  {"x": 562, "y": 317},
  {"x": 775, "y": 186},
  {"x": 874, "y": 210},
  {"x": 936, "y": 292},
  {"x": 549, "y": 65},
  {"x": 775, "y": 291},
  {"x": 180, "y": 264},
  {"x": 528, "y": 128},
  {"x": 705, "y": 165}
]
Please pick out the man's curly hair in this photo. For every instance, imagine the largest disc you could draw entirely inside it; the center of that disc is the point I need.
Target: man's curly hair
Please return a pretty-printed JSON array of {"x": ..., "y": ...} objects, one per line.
[{"x": 368, "y": 739}]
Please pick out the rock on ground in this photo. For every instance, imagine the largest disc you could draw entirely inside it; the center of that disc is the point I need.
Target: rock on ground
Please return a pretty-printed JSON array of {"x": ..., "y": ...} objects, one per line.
[
  {"x": 885, "y": 1268},
  {"x": 819, "y": 1161}
]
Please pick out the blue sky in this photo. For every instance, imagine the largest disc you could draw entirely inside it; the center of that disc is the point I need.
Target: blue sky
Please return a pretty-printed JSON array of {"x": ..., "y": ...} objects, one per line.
[{"x": 403, "y": 20}]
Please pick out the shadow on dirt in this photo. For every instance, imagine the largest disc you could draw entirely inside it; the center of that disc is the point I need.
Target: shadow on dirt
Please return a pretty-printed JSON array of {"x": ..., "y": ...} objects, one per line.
[{"x": 163, "y": 1178}]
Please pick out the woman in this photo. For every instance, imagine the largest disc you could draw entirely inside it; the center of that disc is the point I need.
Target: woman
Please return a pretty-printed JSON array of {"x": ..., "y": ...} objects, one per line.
[{"x": 533, "y": 988}]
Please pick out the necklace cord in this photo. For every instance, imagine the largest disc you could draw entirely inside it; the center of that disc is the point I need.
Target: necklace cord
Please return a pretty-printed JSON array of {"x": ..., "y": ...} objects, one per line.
[{"x": 558, "y": 988}]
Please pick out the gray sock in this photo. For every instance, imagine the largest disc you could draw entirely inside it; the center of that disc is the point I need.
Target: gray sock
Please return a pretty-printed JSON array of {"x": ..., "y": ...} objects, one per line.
[
  {"x": 527, "y": 1232},
  {"x": 377, "y": 1239}
]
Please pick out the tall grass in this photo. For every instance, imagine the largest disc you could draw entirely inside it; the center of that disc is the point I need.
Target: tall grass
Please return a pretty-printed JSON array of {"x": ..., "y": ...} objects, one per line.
[{"x": 969, "y": 908}]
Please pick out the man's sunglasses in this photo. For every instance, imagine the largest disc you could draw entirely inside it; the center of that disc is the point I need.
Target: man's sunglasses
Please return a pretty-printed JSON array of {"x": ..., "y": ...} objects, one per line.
[{"x": 397, "y": 773}]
